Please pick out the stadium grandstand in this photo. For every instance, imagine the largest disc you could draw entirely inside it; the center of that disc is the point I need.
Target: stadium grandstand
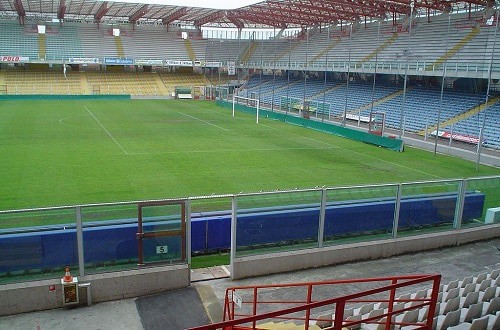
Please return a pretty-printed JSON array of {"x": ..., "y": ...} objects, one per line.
[{"x": 423, "y": 73}]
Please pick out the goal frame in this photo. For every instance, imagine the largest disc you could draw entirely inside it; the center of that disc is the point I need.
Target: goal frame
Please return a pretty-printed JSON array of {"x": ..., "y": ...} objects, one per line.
[{"x": 257, "y": 103}]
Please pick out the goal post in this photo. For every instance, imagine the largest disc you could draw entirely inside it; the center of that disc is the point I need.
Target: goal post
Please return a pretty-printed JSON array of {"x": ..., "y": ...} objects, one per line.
[{"x": 247, "y": 102}]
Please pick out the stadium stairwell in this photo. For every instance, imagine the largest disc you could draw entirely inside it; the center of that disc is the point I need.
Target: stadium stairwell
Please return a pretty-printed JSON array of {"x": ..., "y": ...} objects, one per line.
[
  {"x": 463, "y": 115},
  {"x": 380, "y": 48},
  {"x": 189, "y": 49},
  {"x": 328, "y": 89},
  {"x": 455, "y": 49},
  {"x": 248, "y": 51},
  {"x": 287, "y": 50},
  {"x": 119, "y": 47},
  {"x": 42, "y": 38},
  {"x": 162, "y": 88},
  {"x": 326, "y": 50},
  {"x": 84, "y": 83},
  {"x": 380, "y": 101}
]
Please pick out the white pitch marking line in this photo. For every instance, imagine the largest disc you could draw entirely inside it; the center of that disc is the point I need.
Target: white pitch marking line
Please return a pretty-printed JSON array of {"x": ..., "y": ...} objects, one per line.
[
  {"x": 107, "y": 132},
  {"x": 226, "y": 150},
  {"x": 368, "y": 156},
  {"x": 204, "y": 121}
]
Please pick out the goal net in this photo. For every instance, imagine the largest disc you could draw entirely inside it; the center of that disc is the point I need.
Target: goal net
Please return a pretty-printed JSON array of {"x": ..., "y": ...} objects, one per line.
[{"x": 246, "y": 104}]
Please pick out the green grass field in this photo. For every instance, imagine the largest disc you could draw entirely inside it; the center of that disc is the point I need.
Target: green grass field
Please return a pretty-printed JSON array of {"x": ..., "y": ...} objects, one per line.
[{"x": 74, "y": 152}]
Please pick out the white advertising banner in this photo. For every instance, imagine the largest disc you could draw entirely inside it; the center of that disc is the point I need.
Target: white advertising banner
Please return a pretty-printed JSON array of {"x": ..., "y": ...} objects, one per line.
[
  {"x": 148, "y": 62},
  {"x": 231, "y": 68},
  {"x": 83, "y": 60}
]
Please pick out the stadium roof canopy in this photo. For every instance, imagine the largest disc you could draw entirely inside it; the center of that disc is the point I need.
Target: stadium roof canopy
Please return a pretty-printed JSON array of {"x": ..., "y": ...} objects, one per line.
[{"x": 270, "y": 13}]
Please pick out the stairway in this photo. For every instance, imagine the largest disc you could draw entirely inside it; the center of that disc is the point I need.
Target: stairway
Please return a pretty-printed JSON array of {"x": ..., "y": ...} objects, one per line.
[
  {"x": 248, "y": 51},
  {"x": 288, "y": 50},
  {"x": 162, "y": 88},
  {"x": 455, "y": 49},
  {"x": 189, "y": 49},
  {"x": 42, "y": 40},
  {"x": 326, "y": 50},
  {"x": 380, "y": 48},
  {"x": 84, "y": 84},
  {"x": 380, "y": 101},
  {"x": 119, "y": 47},
  {"x": 284, "y": 326},
  {"x": 463, "y": 115}
]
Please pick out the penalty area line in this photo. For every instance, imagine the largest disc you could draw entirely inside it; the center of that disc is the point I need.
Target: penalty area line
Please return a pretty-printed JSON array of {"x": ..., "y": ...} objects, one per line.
[
  {"x": 204, "y": 121},
  {"x": 107, "y": 132}
]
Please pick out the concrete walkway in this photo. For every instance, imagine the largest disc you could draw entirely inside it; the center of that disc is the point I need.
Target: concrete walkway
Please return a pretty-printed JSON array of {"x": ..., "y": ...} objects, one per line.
[{"x": 203, "y": 300}]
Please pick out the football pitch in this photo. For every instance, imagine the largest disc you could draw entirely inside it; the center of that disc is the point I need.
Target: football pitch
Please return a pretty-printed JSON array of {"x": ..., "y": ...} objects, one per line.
[{"x": 76, "y": 152}]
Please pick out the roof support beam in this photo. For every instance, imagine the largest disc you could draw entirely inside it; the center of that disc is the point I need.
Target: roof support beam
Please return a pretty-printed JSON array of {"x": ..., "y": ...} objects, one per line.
[
  {"x": 62, "y": 10},
  {"x": 233, "y": 19},
  {"x": 20, "y": 10},
  {"x": 101, "y": 11},
  {"x": 173, "y": 16},
  {"x": 138, "y": 14},
  {"x": 209, "y": 18}
]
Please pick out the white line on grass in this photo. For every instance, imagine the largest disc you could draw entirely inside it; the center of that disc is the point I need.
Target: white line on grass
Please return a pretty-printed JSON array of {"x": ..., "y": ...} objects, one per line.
[
  {"x": 365, "y": 155},
  {"x": 107, "y": 132},
  {"x": 62, "y": 120},
  {"x": 204, "y": 121},
  {"x": 226, "y": 150},
  {"x": 332, "y": 146}
]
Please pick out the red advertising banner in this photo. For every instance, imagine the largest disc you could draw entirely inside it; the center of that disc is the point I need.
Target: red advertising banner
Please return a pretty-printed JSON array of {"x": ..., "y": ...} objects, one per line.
[
  {"x": 458, "y": 137},
  {"x": 14, "y": 59}
]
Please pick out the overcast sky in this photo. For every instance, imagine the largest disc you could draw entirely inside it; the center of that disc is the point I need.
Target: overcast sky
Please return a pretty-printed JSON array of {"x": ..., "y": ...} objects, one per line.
[{"x": 216, "y": 4}]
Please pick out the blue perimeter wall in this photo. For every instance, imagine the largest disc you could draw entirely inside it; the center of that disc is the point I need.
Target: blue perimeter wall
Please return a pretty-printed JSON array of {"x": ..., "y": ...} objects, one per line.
[{"x": 106, "y": 241}]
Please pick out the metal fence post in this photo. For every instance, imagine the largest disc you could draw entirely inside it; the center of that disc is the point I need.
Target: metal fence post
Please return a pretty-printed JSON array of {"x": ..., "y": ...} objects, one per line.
[
  {"x": 322, "y": 209},
  {"x": 79, "y": 241},
  {"x": 188, "y": 232},
  {"x": 397, "y": 207},
  {"x": 459, "y": 206},
  {"x": 234, "y": 212}
]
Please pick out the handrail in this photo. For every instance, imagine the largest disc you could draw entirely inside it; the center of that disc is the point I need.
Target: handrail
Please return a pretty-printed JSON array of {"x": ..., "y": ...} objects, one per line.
[{"x": 237, "y": 321}]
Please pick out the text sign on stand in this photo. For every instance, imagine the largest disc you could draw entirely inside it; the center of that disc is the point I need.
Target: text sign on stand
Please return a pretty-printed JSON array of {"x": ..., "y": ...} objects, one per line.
[{"x": 70, "y": 292}]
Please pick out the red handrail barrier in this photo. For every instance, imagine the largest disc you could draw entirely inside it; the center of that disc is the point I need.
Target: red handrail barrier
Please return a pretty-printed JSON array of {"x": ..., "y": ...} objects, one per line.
[{"x": 259, "y": 303}]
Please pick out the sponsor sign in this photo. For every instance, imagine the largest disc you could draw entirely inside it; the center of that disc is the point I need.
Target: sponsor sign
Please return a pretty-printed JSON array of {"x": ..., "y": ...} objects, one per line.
[
  {"x": 213, "y": 64},
  {"x": 237, "y": 299},
  {"x": 148, "y": 62},
  {"x": 178, "y": 63},
  {"x": 231, "y": 68},
  {"x": 457, "y": 137},
  {"x": 363, "y": 119},
  {"x": 118, "y": 61},
  {"x": 14, "y": 59},
  {"x": 83, "y": 60}
]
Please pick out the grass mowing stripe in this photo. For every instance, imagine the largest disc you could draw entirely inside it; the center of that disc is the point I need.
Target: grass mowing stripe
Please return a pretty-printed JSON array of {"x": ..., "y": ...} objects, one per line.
[
  {"x": 107, "y": 132},
  {"x": 365, "y": 155},
  {"x": 45, "y": 163}
]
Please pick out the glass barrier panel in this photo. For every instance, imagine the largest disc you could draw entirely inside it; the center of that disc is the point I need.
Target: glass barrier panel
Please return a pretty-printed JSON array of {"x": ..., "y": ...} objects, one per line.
[
  {"x": 427, "y": 207},
  {"x": 359, "y": 214},
  {"x": 210, "y": 225},
  {"x": 165, "y": 225},
  {"x": 277, "y": 222},
  {"x": 482, "y": 203},
  {"x": 161, "y": 218},
  {"x": 37, "y": 244},
  {"x": 109, "y": 237},
  {"x": 162, "y": 249}
]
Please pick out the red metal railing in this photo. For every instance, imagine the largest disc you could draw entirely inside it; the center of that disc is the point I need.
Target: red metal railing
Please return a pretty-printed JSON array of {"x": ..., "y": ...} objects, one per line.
[{"x": 244, "y": 306}]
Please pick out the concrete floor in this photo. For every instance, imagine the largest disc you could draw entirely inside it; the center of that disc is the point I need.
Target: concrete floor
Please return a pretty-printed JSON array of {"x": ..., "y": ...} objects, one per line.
[{"x": 184, "y": 308}]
